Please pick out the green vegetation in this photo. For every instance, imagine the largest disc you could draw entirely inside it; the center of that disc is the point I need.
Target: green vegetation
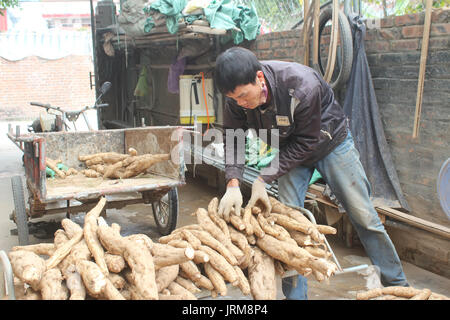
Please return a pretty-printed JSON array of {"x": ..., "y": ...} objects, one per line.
[
  {"x": 279, "y": 15},
  {"x": 8, "y": 4}
]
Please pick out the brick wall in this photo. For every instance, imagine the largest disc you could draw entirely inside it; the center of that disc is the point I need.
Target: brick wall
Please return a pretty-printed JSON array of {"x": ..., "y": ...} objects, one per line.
[
  {"x": 63, "y": 82},
  {"x": 393, "y": 52}
]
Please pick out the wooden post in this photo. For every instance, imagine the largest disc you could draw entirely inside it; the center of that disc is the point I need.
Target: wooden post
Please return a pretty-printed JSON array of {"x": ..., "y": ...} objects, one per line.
[{"x": 423, "y": 63}]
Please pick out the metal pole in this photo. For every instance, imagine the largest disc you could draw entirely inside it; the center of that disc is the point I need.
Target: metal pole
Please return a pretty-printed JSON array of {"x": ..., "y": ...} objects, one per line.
[
  {"x": 94, "y": 55},
  {"x": 8, "y": 275}
]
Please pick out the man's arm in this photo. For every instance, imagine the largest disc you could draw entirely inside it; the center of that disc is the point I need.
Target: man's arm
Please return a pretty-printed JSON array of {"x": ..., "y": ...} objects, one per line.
[{"x": 234, "y": 118}]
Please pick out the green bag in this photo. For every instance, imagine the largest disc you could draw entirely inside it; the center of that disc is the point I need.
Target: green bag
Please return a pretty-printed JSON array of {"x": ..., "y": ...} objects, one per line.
[
  {"x": 141, "y": 89},
  {"x": 259, "y": 155}
]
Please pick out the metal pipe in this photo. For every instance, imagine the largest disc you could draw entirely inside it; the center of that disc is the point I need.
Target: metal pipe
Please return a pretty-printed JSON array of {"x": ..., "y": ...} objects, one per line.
[
  {"x": 94, "y": 50},
  {"x": 313, "y": 220},
  {"x": 8, "y": 275}
]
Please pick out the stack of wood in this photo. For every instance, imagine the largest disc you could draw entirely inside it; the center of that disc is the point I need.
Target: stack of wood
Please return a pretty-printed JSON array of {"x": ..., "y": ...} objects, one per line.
[
  {"x": 97, "y": 262},
  {"x": 114, "y": 165},
  {"x": 400, "y": 293}
]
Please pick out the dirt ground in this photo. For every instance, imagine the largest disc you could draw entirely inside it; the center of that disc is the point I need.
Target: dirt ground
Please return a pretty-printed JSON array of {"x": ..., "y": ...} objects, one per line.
[{"x": 138, "y": 218}]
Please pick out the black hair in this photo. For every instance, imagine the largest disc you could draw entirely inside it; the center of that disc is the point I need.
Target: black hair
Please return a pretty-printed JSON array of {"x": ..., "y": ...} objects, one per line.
[{"x": 234, "y": 67}]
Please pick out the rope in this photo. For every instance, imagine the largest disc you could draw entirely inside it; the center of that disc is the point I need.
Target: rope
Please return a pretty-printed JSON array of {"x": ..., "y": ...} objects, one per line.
[{"x": 206, "y": 103}]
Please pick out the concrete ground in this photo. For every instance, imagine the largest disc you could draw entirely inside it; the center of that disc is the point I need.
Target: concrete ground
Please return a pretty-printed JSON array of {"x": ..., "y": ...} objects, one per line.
[{"x": 139, "y": 219}]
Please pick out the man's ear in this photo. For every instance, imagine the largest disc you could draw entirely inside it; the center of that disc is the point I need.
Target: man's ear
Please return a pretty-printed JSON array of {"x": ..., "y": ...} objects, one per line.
[{"x": 260, "y": 75}]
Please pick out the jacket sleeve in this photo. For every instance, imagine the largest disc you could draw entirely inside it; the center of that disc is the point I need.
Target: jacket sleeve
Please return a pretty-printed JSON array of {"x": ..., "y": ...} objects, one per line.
[
  {"x": 235, "y": 126},
  {"x": 306, "y": 134}
]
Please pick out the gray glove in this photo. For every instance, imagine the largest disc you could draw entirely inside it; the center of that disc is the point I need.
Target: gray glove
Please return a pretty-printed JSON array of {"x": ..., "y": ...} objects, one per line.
[
  {"x": 259, "y": 193},
  {"x": 231, "y": 198}
]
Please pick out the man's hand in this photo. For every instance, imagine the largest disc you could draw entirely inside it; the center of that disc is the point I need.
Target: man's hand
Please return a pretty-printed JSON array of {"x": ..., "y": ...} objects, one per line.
[
  {"x": 259, "y": 193},
  {"x": 232, "y": 198}
]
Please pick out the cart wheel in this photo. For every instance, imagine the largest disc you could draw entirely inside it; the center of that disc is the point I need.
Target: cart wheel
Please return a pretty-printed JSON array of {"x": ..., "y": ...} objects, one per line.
[
  {"x": 165, "y": 212},
  {"x": 20, "y": 213}
]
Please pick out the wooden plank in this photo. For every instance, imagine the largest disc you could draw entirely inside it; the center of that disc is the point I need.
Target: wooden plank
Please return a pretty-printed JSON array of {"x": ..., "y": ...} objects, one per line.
[
  {"x": 205, "y": 29},
  {"x": 317, "y": 194}
]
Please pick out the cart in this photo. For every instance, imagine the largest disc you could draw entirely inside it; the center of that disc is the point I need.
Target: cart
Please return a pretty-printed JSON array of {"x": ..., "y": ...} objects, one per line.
[{"x": 75, "y": 194}]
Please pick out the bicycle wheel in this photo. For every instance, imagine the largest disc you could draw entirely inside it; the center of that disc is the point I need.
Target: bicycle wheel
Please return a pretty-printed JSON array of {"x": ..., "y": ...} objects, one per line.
[{"x": 165, "y": 212}]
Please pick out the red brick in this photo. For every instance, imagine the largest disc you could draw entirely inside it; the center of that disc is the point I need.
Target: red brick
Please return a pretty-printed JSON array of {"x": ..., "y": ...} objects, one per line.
[
  {"x": 276, "y": 44},
  {"x": 412, "y": 32},
  {"x": 441, "y": 15},
  {"x": 388, "y": 33},
  {"x": 408, "y": 19},
  {"x": 440, "y": 29},
  {"x": 371, "y": 34},
  {"x": 63, "y": 82},
  {"x": 264, "y": 55},
  {"x": 281, "y": 53},
  {"x": 387, "y": 22},
  {"x": 263, "y": 44},
  {"x": 326, "y": 30},
  {"x": 377, "y": 46},
  {"x": 439, "y": 43},
  {"x": 293, "y": 42},
  {"x": 405, "y": 45},
  {"x": 325, "y": 40},
  {"x": 287, "y": 34}
]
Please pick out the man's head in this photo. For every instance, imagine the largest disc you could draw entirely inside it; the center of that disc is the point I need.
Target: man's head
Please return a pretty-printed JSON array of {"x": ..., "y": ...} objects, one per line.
[{"x": 238, "y": 74}]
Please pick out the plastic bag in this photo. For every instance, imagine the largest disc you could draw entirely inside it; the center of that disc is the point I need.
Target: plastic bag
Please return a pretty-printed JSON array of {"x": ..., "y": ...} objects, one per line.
[{"x": 193, "y": 6}]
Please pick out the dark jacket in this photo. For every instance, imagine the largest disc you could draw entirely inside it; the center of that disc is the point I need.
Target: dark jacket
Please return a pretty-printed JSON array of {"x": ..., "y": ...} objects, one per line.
[{"x": 310, "y": 121}]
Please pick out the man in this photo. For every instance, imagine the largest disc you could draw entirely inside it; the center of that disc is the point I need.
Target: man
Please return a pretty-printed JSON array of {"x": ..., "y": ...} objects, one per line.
[{"x": 313, "y": 134}]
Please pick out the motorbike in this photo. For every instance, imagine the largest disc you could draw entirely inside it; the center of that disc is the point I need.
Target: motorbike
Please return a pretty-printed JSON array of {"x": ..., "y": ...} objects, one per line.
[{"x": 56, "y": 119}]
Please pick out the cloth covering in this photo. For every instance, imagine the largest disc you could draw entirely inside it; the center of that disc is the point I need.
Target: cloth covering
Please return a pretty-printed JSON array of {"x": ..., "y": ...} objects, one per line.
[
  {"x": 221, "y": 14},
  {"x": 171, "y": 9},
  {"x": 224, "y": 14},
  {"x": 361, "y": 107}
]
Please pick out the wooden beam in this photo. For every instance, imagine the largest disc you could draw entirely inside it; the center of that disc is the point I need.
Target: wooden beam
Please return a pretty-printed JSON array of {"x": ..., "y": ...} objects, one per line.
[
  {"x": 415, "y": 221},
  {"x": 316, "y": 192}
]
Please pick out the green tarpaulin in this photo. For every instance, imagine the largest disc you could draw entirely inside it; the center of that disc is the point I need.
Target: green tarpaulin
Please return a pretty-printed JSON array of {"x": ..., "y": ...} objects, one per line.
[
  {"x": 171, "y": 9},
  {"x": 221, "y": 14},
  {"x": 259, "y": 155}
]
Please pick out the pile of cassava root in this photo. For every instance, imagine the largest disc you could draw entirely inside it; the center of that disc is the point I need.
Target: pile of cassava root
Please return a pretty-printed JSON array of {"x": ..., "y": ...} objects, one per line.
[
  {"x": 400, "y": 293},
  {"x": 247, "y": 251},
  {"x": 115, "y": 165}
]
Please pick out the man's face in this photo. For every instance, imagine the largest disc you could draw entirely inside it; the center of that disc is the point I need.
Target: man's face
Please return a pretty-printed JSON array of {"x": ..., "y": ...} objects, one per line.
[{"x": 250, "y": 96}]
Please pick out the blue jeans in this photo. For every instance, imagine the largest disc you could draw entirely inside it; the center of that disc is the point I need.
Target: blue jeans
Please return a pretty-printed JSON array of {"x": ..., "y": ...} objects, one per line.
[{"x": 344, "y": 173}]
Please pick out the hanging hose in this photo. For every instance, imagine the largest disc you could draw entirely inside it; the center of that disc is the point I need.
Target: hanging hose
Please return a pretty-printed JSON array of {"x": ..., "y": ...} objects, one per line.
[
  {"x": 333, "y": 42},
  {"x": 340, "y": 30},
  {"x": 345, "y": 53},
  {"x": 206, "y": 103}
]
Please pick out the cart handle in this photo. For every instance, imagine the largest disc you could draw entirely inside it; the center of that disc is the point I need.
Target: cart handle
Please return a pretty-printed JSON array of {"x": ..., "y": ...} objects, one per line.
[{"x": 8, "y": 275}]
